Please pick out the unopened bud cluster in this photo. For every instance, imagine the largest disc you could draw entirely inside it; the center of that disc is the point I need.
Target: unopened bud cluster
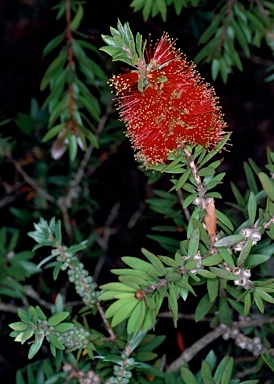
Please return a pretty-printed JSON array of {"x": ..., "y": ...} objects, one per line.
[
  {"x": 74, "y": 338},
  {"x": 44, "y": 329},
  {"x": 89, "y": 377},
  {"x": 121, "y": 372},
  {"x": 248, "y": 233},
  {"x": 244, "y": 277},
  {"x": 198, "y": 259},
  {"x": 84, "y": 284},
  {"x": 253, "y": 345}
]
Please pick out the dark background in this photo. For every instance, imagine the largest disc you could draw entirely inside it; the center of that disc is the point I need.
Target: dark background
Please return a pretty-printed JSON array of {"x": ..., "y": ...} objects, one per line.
[{"x": 26, "y": 26}]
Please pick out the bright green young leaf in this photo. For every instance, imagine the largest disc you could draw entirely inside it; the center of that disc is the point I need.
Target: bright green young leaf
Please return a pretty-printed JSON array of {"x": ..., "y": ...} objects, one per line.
[
  {"x": 124, "y": 312},
  {"x": 57, "y": 318},
  {"x": 55, "y": 342},
  {"x": 154, "y": 260}
]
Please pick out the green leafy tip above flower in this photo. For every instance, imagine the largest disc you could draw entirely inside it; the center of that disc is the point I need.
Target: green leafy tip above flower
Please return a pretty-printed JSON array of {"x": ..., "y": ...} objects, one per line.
[{"x": 164, "y": 102}]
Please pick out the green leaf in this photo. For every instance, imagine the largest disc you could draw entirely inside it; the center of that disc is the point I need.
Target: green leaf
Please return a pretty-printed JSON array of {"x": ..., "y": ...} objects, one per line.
[
  {"x": 244, "y": 253},
  {"x": 206, "y": 373},
  {"x": 209, "y": 261},
  {"x": 118, "y": 305},
  {"x": 193, "y": 245},
  {"x": 247, "y": 303},
  {"x": 264, "y": 295},
  {"x": 258, "y": 301},
  {"x": 55, "y": 341},
  {"x": 213, "y": 289},
  {"x": 267, "y": 185},
  {"x": 141, "y": 265},
  {"x": 53, "y": 43},
  {"x": 63, "y": 327},
  {"x": 220, "y": 369},
  {"x": 154, "y": 260},
  {"x": 250, "y": 178},
  {"x": 268, "y": 359},
  {"x": 229, "y": 241},
  {"x": 224, "y": 312},
  {"x": 117, "y": 287},
  {"x": 205, "y": 273},
  {"x": 136, "y": 318},
  {"x": 189, "y": 199},
  {"x": 187, "y": 376},
  {"x": 224, "y": 219},
  {"x": 179, "y": 184},
  {"x": 18, "y": 326},
  {"x": 203, "y": 307},
  {"x": 252, "y": 208},
  {"x": 227, "y": 372},
  {"x": 256, "y": 259},
  {"x": 173, "y": 303},
  {"x": 57, "y": 318},
  {"x": 34, "y": 348},
  {"x": 223, "y": 273},
  {"x": 226, "y": 257},
  {"x": 76, "y": 21},
  {"x": 53, "y": 132},
  {"x": 124, "y": 312}
]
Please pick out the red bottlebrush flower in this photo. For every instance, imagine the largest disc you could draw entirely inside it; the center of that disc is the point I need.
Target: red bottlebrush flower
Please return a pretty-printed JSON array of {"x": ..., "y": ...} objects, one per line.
[{"x": 165, "y": 104}]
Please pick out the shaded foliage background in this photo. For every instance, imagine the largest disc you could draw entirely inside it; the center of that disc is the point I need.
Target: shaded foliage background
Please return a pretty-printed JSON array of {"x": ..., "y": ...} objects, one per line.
[{"x": 26, "y": 26}]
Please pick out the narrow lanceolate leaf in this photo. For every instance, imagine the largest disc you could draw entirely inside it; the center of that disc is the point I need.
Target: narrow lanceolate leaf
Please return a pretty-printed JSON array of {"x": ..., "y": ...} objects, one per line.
[
  {"x": 136, "y": 318},
  {"x": 212, "y": 288},
  {"x": 188, "y": 376},
  {"x": 227, "y": 257},
  {"x": 141, "y": 265},
  {"x": 244, "y": 253},
  {"x": 118, "y": 306},
  {"x": 203, "y": 307},
  {"x": 212, "y": 260},
  {"x": 124, "y": 312},
  {"x": 267, "y": 185},
  {"x": 269, "y": 360},
  {"x": 229, "y": 241},
  {"x": 258, "y": 301},
  {"x": 264, "y": 295},
  {"x": 57, "y": 318},
  {"x": 117, "y": 287},
  {"x": 220, "y": 369},
  {"x": 224, "y": 312},
  {"x": 223, "y": 273},
  {"x": 247, "y": 303},
  {"x": 226, "y": 376},
  {"x": 55, "y": 342},
  {"x": 173, "y": 303},
  {"x": 206, "y": 373},
  {"x": 194, "y": 242},
  {"x": 252, "y": 207},
  {"x": 154, "y": 260},
  {"x": 35, "y": 348}
]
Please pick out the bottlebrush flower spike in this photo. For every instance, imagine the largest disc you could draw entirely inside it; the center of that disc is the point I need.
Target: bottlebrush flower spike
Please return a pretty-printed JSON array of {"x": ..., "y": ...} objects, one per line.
[{"x": 165, "y": 104}]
